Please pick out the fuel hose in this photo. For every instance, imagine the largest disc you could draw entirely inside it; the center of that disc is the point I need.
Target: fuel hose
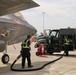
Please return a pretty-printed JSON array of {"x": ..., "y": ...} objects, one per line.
[{"x": 21, "y": 70}]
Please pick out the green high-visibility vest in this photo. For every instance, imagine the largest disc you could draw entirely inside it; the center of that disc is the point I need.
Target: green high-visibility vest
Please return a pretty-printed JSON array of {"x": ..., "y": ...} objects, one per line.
[{"x": 26, "y": 46}]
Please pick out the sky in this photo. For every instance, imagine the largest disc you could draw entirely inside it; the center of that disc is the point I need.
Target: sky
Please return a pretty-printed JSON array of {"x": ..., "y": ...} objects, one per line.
[{"x": 52, "y": 14}]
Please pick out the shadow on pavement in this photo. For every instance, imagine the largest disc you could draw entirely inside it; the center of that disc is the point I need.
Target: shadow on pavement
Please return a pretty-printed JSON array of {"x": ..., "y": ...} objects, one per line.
[{"x": 6, "y": 69}]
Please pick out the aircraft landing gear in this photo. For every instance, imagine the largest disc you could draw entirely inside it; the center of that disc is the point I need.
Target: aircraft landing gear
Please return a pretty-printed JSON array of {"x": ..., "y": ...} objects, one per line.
[{"x": 5, "y": 58}]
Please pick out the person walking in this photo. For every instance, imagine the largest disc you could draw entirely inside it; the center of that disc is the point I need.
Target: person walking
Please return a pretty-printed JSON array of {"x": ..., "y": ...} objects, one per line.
[{"x": 26, "y": 52}]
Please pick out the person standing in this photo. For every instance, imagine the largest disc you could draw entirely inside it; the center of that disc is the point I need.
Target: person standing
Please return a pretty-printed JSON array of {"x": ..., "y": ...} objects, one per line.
[
  {"x": 26, "y": 52},
  {"x": 66, "y": 45}
]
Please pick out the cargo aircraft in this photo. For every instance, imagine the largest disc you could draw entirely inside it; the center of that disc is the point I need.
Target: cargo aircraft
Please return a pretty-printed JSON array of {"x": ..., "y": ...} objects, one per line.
[{"x": 13, "y": 27}]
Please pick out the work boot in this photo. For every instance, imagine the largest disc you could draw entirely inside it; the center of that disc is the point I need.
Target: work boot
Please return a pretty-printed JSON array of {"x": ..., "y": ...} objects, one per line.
[
  {"x": 30, "y": 66},
  {"x": 23, "y": 67}
]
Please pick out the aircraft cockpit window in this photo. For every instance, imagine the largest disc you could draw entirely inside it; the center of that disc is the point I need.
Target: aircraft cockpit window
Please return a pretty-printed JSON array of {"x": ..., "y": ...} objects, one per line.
[
  {"x": 19, "y": 15},
  {"x": 5, "y": 32}
]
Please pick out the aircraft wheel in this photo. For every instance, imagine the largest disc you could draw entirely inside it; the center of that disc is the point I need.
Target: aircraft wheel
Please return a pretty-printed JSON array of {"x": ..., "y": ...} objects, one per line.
[{"x": 5, "y": 59}]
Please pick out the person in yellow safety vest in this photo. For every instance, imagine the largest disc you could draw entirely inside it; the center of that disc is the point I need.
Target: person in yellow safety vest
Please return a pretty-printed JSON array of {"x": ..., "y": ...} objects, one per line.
[
  {"x": 26, "y": 52},
  {"x": 66, "y": 45}
]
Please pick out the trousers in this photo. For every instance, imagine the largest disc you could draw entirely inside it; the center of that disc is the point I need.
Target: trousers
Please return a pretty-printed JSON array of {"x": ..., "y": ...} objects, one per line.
[
  {"x": 66, "y": 49},
  {"x": 26, "y": 55}
]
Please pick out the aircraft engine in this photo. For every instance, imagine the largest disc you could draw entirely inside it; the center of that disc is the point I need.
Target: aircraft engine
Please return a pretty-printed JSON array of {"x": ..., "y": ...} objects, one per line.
[{"x": 2, "y": 45}]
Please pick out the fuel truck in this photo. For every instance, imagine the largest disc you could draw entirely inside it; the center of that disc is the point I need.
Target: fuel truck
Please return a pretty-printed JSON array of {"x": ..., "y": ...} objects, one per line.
[{"x": 55, "y": 41}]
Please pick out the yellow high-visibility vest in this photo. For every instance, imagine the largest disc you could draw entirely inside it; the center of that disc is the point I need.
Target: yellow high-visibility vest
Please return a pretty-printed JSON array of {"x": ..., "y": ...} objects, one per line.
[
  {"x": 26, "y": 46},
  {"x": 67, "y": 42}
]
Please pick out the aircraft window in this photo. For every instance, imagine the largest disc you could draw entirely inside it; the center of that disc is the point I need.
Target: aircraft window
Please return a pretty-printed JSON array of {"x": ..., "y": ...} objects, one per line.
[{"x": 5, "y": 32}]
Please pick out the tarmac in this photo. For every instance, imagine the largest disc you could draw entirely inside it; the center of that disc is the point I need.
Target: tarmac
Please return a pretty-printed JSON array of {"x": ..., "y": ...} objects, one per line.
[{"x": 64, "y": 66}]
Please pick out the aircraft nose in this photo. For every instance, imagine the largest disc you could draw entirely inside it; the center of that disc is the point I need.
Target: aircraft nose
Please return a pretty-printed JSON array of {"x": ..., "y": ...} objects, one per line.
[{"x": 33, "y": 31}]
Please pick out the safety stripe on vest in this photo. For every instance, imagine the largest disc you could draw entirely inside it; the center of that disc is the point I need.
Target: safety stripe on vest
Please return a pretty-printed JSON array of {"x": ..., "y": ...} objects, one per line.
[
  {"x": 26, "y": 45},
  {"x": 67, "y": 42}
]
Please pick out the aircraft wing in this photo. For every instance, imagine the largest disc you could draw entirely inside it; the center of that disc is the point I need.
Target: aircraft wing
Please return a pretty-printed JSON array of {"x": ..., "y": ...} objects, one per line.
[{"x": 12, "y": 6}]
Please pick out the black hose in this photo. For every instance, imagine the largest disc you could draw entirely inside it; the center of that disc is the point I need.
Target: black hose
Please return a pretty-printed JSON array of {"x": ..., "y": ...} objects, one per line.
[{"x": 21, "y": 70}]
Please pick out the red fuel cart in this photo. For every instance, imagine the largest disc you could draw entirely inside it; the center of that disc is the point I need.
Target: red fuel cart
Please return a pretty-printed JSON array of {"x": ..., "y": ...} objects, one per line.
[{"x": 41, "y": 50}]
